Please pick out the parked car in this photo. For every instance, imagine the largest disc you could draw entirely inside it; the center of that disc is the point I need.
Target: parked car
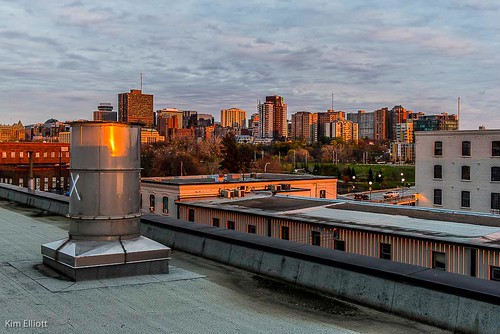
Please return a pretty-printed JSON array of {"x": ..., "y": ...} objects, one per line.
[
  {"x": 361, "y": 196},
  {"x": 391, "y": 194}
]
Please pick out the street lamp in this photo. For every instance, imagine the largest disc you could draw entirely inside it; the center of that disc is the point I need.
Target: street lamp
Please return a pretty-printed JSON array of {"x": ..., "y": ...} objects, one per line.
[
  {"x": 402, "y": 186},
  {"x": 370, "y": 183},
  {"x": 353, "y": 179},
  {"x": 265, "y": 166}
]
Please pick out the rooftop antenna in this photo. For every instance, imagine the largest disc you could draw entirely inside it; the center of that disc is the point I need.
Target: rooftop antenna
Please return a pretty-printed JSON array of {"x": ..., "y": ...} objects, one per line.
[
  {"x": 458, "y": 122},
  {"x": 141, "y": 81},
  {"x": 332, "y": 101}
]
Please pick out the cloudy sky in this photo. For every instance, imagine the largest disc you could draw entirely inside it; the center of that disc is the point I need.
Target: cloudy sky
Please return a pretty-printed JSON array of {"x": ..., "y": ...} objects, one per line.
[{"x": 62, "y": 58}]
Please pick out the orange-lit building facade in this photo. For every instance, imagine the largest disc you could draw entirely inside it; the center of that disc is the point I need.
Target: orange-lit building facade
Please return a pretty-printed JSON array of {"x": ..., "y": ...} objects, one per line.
[
  {"x": 50, "y": 164},
  {"x": 14, "y": 132},
  {"x": 302, "y": 126},
  {"x": 233, "y": 117},
  {"x": 135, "y": 107}
]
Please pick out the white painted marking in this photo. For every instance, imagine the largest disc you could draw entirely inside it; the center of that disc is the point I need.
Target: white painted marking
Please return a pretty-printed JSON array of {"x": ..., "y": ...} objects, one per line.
[{"x": 73, "y": 186}]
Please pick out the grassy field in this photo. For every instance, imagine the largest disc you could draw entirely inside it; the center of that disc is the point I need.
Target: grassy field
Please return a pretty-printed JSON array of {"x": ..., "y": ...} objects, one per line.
[{"x": 390, "y": 175}]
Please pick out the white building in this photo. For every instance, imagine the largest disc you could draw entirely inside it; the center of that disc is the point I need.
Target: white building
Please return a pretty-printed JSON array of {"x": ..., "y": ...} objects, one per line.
[{"x": 458, "y": 170}]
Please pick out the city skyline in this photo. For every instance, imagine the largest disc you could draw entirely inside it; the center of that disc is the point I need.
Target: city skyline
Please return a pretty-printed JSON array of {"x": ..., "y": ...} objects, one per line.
[{"x": 61, "y": 61}]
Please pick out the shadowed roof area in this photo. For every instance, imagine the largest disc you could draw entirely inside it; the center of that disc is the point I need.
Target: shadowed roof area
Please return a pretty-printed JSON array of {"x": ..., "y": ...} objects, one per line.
[{"x": 277, "y": 203}]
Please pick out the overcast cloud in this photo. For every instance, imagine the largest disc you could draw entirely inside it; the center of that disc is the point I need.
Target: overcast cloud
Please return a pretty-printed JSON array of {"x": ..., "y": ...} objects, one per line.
[{"x": 61, "y": 59}]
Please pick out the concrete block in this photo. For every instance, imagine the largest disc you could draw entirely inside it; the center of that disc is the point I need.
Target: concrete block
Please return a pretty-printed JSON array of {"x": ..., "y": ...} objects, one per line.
[
  {"x": 430, "y": 306},
  {"x": 216, "y": 250},
  {"x": 279, "y": 266},
  {"x": 477, "y": 317},
  {"x": 188, "y": 243},
  {"x": 321, "y": 277},
  {"x": 369, "y": 290},
  {"x": 245, "y": 258}
]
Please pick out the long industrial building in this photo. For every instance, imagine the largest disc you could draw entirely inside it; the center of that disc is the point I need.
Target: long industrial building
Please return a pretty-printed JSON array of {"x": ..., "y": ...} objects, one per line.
[{"x": 437, "y": 239}]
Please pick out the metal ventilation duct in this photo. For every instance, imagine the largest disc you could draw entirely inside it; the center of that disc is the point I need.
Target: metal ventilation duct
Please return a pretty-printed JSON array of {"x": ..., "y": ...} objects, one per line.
[{"x": 104, "y": 233}]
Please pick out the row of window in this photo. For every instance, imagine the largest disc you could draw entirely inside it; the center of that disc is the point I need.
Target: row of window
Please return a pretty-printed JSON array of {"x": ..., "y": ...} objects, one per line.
[
  {"x": 465, "y": 199},
  {"x": 152, "y": 204},
  {"x": 37, "y": 154},
  {"x": 385, "y": 249},
  {"x": 465, "y": 173},
  {"x": 466, "y": 148}
]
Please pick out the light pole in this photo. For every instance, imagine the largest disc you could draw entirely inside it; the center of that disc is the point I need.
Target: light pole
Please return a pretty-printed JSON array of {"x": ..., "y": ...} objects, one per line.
[
  {"x": 265, "y": 166},
  {"x": 370, "y": 183},
  {"x": 402, "y": 186},
  {"x": 353, "y": 179}
]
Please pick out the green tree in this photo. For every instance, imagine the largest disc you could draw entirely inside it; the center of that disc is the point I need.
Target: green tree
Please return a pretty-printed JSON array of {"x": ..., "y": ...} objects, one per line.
[{"x": 231, "y": 158}]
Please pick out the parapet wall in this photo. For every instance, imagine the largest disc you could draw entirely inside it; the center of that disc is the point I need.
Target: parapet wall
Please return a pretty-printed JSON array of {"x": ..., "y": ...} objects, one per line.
[
  {"x": 52, "y": 203},
  {"x": 455, "y": 302}
]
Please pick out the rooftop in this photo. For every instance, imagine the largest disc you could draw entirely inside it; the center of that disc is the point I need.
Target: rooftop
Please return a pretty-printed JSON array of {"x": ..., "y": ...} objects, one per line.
[
  {"x": 197, "y": 296},
  {"x": 445, "y": 225},
  {"x": 232, "y": 178}
]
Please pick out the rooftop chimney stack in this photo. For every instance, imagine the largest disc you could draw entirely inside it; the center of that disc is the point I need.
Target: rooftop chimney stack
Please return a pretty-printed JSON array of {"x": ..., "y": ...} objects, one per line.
[{"x": 104, "y": 206}]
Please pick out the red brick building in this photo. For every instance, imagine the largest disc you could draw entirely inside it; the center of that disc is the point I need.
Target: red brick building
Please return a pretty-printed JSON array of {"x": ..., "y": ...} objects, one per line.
[{"x": 50, "y": 164}]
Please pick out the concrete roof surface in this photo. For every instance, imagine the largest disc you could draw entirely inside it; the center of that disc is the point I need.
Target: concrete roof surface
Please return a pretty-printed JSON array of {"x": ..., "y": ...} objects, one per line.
[{"x": 198, "y": 296}]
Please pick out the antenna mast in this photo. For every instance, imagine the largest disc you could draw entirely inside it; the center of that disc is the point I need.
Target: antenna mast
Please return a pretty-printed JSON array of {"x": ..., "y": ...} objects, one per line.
[
  {"x": 332, "y": 101},
  {"x": 458, "y": 123},
  {"x": 141, "y": 81}
]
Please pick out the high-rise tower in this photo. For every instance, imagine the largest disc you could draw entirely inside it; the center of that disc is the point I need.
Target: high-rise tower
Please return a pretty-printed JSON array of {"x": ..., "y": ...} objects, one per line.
[
  {"x": 273, "y": 118},
  {"x": 135, "y": 107}
]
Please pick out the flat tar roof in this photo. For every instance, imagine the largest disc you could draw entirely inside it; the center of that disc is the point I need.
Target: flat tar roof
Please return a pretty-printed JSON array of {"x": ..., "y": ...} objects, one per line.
[
  {"x": 198, "y": 296},
  {"x": 245, "y": 177},
  {"x": 408, "y": 221}
]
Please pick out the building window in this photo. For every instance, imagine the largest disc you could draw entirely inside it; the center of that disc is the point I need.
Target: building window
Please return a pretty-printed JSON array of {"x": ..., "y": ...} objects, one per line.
[
  {"x": 495, "y": 148},
  {"x": 495, "y": 273},
  {"x": 466, "y": 173},
  {"x": 191, "y": 215},
  {"x": 285, "y": 233},
  {"x": 438, "y": 197},
  {"x": 252, "y": 229},
  {"x": 165, "y": 204},
  {"x": 152, "y": 203},
  {"x": 438, "y": 148},
  {"x": 495, "y": 173},
  {"x": 230, "y": 225},
  {"x": 466, "y": 148},
  {"x": 439, "y": 261},
  {"x": 44, "y": 154},
  {"x": 21, "y": 154},
  {"x": 216, "y": 222},
  {"x": 339, "y": 245},
  {"x": 465, "y": 199},
  {"x": 495, "y": 201},
  {"x": 52, "y": 154},
  {"x": 438, "y": 171},
  {"x": 37, "y": 155},
  {"x": 4, "y": 154},
  {"x": 12, "y": 154},
  {"x": 322, "y": 194},
  {"x": 315, "y": 238},
  {"x": 385, "y": 251}
]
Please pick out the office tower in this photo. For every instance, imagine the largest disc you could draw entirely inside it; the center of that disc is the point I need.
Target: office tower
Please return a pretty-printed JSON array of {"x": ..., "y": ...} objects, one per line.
[
  {"x": 190, "y": 119},
  {"x": 273, "y": 118},
  {"x": 341, "y": 128},
  {"x": 233, "y": 117},
  {"x": 266, "y": 119},
  {"x": 327, "y": 117},
  {"x": 381, "y": 124},
  {"x": 105, "y": 113},
  {"x": 168, "y": 119},
  {"x": 205, "y": 120},
  {"x": 302, "y": 126},
  {"x": 442, "y": 121},
  {"x": 366, "y": 122},
  {"x": 135, "y": 107},
  {"x": 397, "y": 115}
]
